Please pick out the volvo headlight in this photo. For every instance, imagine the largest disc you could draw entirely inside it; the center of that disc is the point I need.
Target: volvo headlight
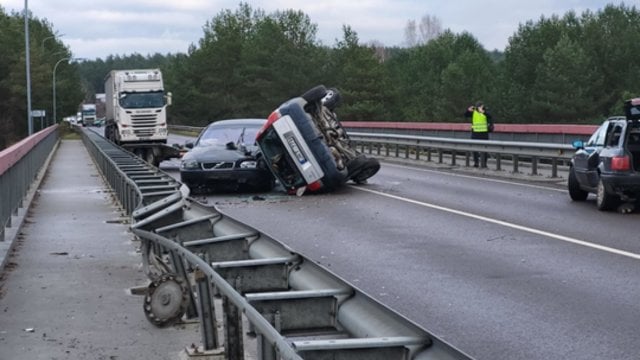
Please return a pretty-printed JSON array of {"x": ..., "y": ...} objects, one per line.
[
  {"x": 189, "y": 164},
  {"x": 248, "y": 164}
]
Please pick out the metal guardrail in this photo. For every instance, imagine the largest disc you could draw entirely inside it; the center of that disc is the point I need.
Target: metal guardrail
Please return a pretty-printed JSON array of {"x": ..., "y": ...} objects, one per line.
[
  {"x": 297, "y": 308},
  {"x": 414, "y": 147},
  {"x": 19, "y": 166},
  {"x": 422, "y": 147}
]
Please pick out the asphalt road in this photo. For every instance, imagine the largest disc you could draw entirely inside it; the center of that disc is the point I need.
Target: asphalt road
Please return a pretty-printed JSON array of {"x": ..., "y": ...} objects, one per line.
[{"x": 499, "y": 269}]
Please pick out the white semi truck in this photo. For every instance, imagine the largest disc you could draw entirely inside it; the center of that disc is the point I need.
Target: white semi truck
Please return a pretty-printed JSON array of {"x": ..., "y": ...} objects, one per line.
[
  {"x": 88, "y": 112},
  {"x": 136, "y": 113}
]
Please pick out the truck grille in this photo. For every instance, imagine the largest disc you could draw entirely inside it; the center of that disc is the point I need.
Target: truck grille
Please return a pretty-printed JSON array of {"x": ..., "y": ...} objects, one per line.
[{"x": 144, "y": 124}]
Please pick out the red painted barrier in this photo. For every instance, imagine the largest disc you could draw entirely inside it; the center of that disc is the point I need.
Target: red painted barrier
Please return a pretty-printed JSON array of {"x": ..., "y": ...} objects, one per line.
[
  {"x": 571, "y": 129},
  {"x": 11, "y": 155}
]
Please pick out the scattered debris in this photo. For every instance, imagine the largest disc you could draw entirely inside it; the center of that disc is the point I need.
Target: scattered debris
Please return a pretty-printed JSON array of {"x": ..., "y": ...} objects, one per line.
[{"x": 62, "y": 253}]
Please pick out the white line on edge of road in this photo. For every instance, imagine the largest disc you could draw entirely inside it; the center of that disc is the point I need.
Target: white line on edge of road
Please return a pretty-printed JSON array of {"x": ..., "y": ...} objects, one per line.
[{"x": 507, "y": 224}]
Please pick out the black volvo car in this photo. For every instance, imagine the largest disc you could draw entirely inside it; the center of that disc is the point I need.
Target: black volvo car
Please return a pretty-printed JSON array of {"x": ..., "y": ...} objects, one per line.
[{"x": 225, "y": 157}]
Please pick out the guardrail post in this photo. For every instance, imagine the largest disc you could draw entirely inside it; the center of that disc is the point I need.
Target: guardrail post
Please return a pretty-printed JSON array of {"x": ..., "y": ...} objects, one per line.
[
  {"x": 453, "y": 157},
  {"x": 534, "y": 165},
  {"x": 397, "y": 150},
  {"x": 208, "y": 325},
  {"x": 179, "y": 268},
  {"x": 554, "y": 167},
  {"x": 498, "y": 162},
  {"x": 440, "y": 156},
  {"x": 233, "y": 330},
  {"x": 266, "y": 351},
  {"x": 418, "y": 153},
  {"x": 515, "y": 163},
  {"x": 429, "y": 154}
]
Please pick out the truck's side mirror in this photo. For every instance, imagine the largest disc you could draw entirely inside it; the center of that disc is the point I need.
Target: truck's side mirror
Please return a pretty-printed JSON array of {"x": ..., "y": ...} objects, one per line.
[{"x": 168, "y": 99}]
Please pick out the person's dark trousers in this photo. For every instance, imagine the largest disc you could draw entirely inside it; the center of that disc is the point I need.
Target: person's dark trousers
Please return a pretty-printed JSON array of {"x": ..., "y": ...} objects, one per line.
[{"x": 476, "y": 155}]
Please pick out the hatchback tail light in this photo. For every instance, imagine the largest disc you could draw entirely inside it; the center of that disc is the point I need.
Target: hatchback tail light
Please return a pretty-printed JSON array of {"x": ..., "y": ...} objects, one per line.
[
  {"x": 621, "y": 163},
  {"x": 270, "y": 120}
]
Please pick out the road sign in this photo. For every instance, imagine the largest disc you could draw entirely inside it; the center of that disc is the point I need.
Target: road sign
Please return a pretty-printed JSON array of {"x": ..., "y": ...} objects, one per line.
[{"x": 38, "y": 113}]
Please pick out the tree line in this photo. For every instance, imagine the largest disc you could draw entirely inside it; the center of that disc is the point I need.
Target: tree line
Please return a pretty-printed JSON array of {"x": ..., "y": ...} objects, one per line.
[{"x": 574, "y": 68}]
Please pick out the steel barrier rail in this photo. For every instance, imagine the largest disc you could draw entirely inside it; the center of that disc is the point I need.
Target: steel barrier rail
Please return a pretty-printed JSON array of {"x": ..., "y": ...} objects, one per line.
[
  {"x": 297, "y": 308},
  {"x": 403, "y": 146},
  {"x": 19, "y": 166}
]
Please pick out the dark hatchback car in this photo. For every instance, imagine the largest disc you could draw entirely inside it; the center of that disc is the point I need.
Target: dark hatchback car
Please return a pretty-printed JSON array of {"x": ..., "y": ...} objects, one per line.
[
  {"x": 225, "y": 157},
  {"x": 609, "y": 163}
]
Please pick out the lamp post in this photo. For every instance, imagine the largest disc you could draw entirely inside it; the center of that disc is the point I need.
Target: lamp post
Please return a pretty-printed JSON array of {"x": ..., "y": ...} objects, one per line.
[
  {"x": 53, "y": 85},
  {"x": 47, "y": 38},
  {"x": 55, "y": 68},
  {"x": 28, "y": 65}
]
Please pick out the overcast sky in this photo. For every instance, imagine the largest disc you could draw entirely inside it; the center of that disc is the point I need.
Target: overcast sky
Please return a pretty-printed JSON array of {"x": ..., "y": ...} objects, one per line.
[{"x": 95, "y": 29}]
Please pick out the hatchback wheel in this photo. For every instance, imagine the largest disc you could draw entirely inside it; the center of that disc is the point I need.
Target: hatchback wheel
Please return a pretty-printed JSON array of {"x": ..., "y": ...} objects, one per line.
[
  {"x": 575, "y": 192},
  {"x": 604, "y": 199}
]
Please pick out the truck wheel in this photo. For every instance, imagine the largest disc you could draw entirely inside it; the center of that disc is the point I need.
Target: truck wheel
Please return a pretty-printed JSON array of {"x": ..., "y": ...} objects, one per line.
[{"x": 151, "y": 158}]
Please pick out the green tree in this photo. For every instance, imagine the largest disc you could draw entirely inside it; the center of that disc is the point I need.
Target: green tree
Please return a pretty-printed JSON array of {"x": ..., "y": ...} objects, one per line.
[
  {"x": 567, "y": 84},
  {"x": 361, "y": 80}
]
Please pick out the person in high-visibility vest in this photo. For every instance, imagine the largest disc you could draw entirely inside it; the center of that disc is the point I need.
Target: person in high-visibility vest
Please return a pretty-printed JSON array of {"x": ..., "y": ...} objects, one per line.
[{"x": 481, "y": 126}]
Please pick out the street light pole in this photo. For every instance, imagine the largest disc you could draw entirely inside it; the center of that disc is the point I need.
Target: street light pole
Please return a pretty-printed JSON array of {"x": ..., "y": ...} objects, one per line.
[
  {"x": 54, "y": 87},
  {"x": 47, "y": 38},
  {"x": 28, "y": 65}
]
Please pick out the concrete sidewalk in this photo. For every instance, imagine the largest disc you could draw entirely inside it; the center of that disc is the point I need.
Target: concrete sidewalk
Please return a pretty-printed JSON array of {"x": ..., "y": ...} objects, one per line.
[{"x": 64, "y": 293}]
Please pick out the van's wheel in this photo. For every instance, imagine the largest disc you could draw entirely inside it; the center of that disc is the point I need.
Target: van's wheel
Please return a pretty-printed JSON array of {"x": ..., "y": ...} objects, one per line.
[{"x": 605, "y": 200}]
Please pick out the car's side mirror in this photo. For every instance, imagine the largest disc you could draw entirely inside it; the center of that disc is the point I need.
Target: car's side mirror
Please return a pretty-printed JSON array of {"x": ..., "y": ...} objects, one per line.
[
  {"x": 189, "y": 145},
  {"x": 231, "y": 146},
  {"x": 578, "y": 144}
]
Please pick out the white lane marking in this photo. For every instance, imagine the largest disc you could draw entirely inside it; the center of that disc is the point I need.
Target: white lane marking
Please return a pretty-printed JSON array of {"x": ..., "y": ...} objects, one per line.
[
  {"x": 476, "y": 177},
  {"x": 507, "y": 224}
]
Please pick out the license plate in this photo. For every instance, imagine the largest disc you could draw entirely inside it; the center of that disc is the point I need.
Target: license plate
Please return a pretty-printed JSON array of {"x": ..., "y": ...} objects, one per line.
[{"x": 293, "y": 145}]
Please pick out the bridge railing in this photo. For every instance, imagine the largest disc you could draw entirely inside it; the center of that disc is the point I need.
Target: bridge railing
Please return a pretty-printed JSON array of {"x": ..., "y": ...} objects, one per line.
[
  {"x": 451, "y": 150},
  {"x": 297, "y": 308},
  {"x": 19, "y": 167}
]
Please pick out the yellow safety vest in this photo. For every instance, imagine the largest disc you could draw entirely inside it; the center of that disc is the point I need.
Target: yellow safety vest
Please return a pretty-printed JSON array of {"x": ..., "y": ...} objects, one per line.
[{"x": 479, "y": 122}]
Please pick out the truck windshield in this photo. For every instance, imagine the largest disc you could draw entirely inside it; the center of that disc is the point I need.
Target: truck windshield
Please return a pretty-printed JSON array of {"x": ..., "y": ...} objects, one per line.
[{"x": 142, "y": 100}]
